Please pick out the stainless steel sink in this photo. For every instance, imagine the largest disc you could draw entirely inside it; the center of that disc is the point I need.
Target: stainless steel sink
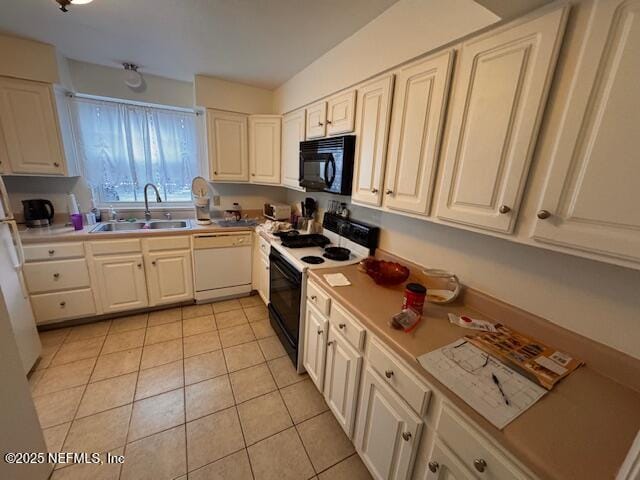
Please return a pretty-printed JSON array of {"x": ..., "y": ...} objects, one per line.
[
  {"x": 245, "y": 222},
  {"x": 152, "y": 225},
  {"x": 116, "y": 227},
  {"x": 168, "y": 224}
]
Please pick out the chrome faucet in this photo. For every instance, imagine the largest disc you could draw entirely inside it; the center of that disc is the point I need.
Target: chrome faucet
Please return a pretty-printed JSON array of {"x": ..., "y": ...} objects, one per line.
[{"x": 147, "y": 213}]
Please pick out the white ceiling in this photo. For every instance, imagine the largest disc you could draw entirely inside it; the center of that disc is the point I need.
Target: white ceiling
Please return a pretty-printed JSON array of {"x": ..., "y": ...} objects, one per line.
[{"x": 258, "y": 42}]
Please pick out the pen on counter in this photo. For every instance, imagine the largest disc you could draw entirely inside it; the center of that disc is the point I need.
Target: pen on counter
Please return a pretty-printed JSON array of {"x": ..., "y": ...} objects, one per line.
[{"x": 497, "y": 382}]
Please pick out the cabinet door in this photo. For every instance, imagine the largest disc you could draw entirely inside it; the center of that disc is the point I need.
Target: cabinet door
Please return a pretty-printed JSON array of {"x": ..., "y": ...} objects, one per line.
[
  {"x": 315, "y": 345},
  {"x": 501, "y": 84},
  {"x": 5, "y": 166},
  {"x": 316, "y": 120},
  {"x": 388, "y": 432},
  {"x": 444, "y": 465},
  {"x": 30, "y": 127},
  {"x": 227, "y": 139},
  {"x": 341, "y": 380},
  {"x": 264, "y": 148},
  {"x": 121, "y": 282},
  {"x": 293, "y": 132},
  {"x": 372, "y": 126},
  {"x": 416, "y": 129},
  {"x": 590, "y": 201},
  {"x": 340, "y": 113},
  {"x": 263, "y": 289},
  {"x": 169, "y": 277}
]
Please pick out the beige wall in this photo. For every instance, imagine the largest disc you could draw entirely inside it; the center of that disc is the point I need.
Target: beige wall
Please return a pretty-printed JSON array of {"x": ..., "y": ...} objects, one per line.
[
  {"x": 94, "y": 79},
  {"x": 211, "y": 92},
  {"x": 28, "y": 59},
  {"x": 407, "y": 29}
]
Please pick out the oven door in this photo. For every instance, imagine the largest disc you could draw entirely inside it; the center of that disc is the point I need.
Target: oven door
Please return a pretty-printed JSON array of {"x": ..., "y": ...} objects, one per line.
[{"x": 285, "y": 292}]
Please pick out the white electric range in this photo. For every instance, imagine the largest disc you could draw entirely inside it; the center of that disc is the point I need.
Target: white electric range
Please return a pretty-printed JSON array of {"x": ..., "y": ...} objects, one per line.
[{"x": 343, "y": 242}]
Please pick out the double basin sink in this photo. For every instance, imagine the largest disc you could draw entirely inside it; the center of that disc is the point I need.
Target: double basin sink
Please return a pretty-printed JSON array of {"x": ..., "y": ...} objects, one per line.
[{"x": 150, "y": 225}]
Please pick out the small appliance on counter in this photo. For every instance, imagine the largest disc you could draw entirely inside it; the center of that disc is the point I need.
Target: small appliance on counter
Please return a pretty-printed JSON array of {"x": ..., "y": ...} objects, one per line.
[
  {"x": 38, "y": 213},
  {"x": 201, "y": 200},
  {"x": 277, "y": 211}
]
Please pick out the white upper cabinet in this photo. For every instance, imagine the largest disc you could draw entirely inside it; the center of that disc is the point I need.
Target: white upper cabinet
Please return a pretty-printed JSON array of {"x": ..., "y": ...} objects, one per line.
[
  {"x": 591, "y": 197},
  {"x": 416, "y": 129},
  {"x": 372, "y": 126},
  {"x": 316, "y": 120},
  {"x": 227, "y": 142},
  {"x": 340, "y": 113},
  {"x": 293, "y": 132},
  {"x": 264, "y": 148},
  {"x": 500, "y": 88},
  {"x": 29, "y": 128}
]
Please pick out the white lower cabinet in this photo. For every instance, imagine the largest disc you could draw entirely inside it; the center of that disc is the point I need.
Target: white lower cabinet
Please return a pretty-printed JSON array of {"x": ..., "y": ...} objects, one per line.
[
  {"x": 169, "y": 276},
  {"x": 387, "y": 432},
  {"x": 121, "y": 282},
  {"x": 444, "y": 465},
  {"x": 315, "y": 345},
  {"x": 341, "y": 380}
]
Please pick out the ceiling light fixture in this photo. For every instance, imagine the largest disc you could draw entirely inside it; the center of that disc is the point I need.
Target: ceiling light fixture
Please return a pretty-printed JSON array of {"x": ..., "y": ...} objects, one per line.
[
  {"x": 65, "y": 3},
  {"x": 132, "y": 77}
]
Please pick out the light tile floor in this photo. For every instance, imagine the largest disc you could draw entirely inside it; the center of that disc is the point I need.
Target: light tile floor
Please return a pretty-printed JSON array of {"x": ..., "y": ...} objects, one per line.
[{"x": 204, "y": 391}]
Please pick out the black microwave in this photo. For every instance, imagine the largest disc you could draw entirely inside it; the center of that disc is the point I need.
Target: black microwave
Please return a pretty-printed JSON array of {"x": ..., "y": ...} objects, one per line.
[{"x": 326, "y": 165}]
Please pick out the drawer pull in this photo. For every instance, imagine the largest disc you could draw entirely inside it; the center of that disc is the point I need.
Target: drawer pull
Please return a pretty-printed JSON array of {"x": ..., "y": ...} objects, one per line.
[
  {"x": 320, "y": 332},
  {"x": 51, "y": 252},
  {"x": 388, "y": 373},
  {"x": 480, "y": 464},
  {"x": 56, "y": 275},
  {"x": 342, "y": 326},
  {"x": 406, "y": 436},
  {"x": 63, "y": 304},
  {"x": 434, "y": 466}
]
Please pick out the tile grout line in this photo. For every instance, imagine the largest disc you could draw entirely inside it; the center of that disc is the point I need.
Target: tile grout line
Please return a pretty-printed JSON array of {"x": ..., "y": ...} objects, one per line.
[{"x": 184, "y": 400}]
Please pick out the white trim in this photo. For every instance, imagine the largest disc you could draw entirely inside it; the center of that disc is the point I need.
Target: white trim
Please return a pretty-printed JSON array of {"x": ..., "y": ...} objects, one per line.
[{"x": 136, "y": 103}]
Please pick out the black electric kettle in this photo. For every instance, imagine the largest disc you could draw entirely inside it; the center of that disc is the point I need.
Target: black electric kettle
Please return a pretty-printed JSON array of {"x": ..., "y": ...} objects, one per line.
[{"x": 38, "y": 212}]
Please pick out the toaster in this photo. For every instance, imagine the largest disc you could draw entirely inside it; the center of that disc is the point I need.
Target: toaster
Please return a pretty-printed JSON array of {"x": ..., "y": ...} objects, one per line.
[{"x": 277, "y": 211}]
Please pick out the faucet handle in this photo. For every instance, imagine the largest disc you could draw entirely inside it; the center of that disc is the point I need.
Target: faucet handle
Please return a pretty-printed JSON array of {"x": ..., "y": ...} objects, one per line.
[{"x": 167, "y": 215}]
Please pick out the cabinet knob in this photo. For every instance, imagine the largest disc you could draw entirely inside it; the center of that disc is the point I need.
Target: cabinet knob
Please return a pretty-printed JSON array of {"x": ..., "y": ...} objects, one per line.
[
  {"x": 253, "y": 174},
  {"x": 320, "y": 124},
  {"x": 544, "y": 214},
  {"x": 389, "y": 192},
  {"x": 314, "y": 298},
  {"x": 480, "y": 464},
  {"x": 139, "y": 265},
  {"x": 374, "y": 190},
  {"x": 153, "y": 263},
  {"x": 504, "y": 209},
  {"x": 215, "y": 172},
  {"x": 434, "y": 466},
  {"x": 342, "y": 326},
  {"x": 406, "y": 436},
  {"x": 320, "y": 332},
  {"x": 56, "y": 164},
  {"x": 51, "y": 252},
  {"x": 330, "y": 342},
  {"x": 388, "y": 373},
  {"x": 56, "y": 275},
  {"x": 328, "y": 122},
  {"x": 63, "y": 304}
]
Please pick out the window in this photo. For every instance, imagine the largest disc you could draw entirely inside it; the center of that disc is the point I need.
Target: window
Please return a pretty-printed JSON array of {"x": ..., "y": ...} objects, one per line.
[{"x": 123, "y": 146}]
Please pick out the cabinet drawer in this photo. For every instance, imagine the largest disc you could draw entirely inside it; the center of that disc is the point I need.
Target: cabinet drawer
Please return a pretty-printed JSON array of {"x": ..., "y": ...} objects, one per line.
[
  {"x": 53, "y": 251},
  {"x": 348, "y": 326},
  {"x": 167, "y": 243},
  {"x": 115, "y": 246},
  {"x": 318, "y": 298},
  {"x": 49, "y": 307},
  {"x": 56, "y": 275},
  {"x": 472, "y": 447},
  {"x": 414, "y": 392}
]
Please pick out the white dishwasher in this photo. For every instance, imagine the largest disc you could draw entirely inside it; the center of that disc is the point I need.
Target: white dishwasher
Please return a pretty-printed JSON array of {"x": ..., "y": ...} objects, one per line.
[{"x": 221, "y": 265}]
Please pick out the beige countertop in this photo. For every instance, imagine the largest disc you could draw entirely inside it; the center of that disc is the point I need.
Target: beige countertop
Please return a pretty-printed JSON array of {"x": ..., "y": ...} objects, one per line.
[
  {"x": 64, "y": 233},
  {"x": 583, "y": 428}
]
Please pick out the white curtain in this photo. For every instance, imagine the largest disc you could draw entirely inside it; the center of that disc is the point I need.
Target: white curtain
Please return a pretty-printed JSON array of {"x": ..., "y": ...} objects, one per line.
[{"x": 121, "y": 147}]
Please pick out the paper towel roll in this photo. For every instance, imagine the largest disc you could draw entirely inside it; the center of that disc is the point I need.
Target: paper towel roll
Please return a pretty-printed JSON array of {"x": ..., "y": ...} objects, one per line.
[{"x": 72, "y": 204}]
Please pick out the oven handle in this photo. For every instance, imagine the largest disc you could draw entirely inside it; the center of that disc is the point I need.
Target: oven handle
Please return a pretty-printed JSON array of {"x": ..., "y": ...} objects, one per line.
[{"x": 285, "y": 271}]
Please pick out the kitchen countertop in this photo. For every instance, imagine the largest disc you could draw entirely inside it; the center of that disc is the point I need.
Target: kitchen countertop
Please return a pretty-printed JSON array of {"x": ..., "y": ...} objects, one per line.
[
  {"x": 62, "y": 233},
  {"x": 583, "y": 428}
]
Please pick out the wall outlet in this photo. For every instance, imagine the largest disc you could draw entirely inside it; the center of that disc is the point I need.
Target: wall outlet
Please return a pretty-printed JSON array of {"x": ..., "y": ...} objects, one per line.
[{"x": 216, "y": 200}]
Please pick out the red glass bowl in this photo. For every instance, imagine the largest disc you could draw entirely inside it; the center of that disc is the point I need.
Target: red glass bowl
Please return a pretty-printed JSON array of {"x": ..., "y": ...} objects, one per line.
[{"x": 385, "y": 273}]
